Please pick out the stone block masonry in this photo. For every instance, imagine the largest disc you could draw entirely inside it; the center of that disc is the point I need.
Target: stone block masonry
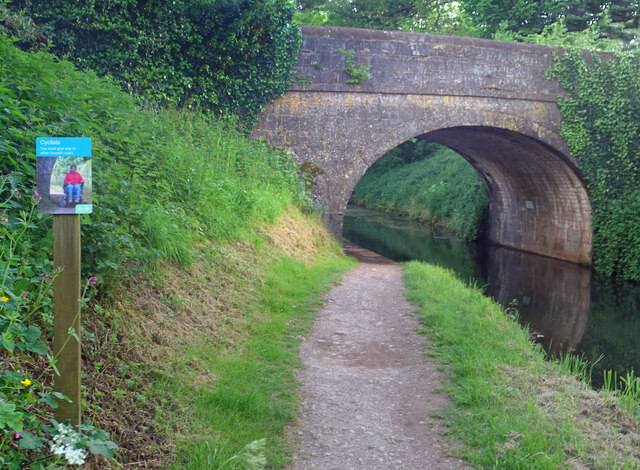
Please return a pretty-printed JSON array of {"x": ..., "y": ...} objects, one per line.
[{"x": 488, "y": 100}]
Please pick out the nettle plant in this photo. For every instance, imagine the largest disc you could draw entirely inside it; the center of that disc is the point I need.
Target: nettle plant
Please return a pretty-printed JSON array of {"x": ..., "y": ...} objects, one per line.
[
  {"x": 358, "y": 74},
  {"x": 29, "y": 436}
]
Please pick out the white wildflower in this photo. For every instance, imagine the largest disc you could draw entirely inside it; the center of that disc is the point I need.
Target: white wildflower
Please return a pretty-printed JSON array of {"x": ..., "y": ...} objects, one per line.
[{"x": 64, "y": 443}]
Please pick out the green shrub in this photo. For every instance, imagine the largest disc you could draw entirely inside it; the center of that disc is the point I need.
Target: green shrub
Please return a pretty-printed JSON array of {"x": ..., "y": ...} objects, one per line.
[
  {"x": 27, "y": 430},
  {"x": 198, "y": 169},
  {"x": 231, "y": 56}
]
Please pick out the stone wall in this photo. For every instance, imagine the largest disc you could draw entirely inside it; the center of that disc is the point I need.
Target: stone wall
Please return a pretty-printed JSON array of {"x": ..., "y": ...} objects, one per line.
[{"x": 488, "y": 100}]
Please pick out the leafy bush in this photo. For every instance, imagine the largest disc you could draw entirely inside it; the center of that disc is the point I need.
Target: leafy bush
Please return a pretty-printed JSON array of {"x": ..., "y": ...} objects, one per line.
[
  {"x": 230, "y": 56},
  {"x": 429, "y": 183},
  {"x": 28, "y": 435},
  {"x": 601, "y": 125}
]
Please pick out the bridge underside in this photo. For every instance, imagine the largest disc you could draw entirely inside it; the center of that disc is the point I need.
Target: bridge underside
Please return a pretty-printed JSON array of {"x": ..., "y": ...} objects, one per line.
[{"x": 537, "y": 201}]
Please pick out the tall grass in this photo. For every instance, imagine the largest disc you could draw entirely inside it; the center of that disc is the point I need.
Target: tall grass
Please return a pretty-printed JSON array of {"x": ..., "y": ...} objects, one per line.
[
  {"x": 154, "y": 170},
  {"x": 512, "y": 407}
]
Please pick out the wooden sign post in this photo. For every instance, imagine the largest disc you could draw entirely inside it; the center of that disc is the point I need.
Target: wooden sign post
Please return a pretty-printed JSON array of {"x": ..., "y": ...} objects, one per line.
[
  {"x": 64, "y": 184},
  {"x": 66, "y": 311}
]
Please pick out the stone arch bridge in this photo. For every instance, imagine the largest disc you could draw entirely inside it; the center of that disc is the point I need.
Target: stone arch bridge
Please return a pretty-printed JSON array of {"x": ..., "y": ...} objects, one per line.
[{"x": 488, "y": 100}]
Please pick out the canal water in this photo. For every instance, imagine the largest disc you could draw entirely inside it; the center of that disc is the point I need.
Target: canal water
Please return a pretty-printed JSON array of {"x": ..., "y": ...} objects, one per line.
[{"x": 565, "y": 307}]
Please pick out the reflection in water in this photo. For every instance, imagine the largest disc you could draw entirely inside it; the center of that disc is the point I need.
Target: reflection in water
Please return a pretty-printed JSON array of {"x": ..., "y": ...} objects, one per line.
[
  {"x": 552, "y": 297},
  {"x": 564, "y": 309},
  {"x": 401, "y": 241}
]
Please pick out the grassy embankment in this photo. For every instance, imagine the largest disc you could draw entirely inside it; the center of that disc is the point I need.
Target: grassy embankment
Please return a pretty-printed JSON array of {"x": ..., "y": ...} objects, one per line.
[
  {"x": 219, "y": 340},
  {"x": 428, "y": 183},
  {"x": 511, "y": 407},
  {"x": 207, "y": 270}
]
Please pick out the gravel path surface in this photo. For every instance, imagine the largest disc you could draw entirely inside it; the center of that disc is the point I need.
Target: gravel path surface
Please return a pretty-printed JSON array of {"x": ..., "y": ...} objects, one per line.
[{"x": 368, "y": 390}]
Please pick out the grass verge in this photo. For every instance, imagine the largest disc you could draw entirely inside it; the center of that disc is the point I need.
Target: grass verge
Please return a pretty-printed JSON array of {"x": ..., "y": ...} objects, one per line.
[
  {"x": 211, "y": 349},
  {"x": 512, "y": 408}
]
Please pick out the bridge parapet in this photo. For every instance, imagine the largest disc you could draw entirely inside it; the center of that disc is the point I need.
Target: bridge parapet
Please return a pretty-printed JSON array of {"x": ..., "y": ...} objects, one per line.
[{"x": 424, "y": 64}]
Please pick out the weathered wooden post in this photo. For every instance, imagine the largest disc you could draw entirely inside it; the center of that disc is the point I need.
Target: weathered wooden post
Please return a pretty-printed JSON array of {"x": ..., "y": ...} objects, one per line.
[
  {"x": 66, "y": 312},
  {"x": 55, "y": 156}
]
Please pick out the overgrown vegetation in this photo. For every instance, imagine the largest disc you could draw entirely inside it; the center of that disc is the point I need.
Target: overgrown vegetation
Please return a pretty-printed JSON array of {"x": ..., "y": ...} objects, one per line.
[
  {"x": 614, "y": 21},
  {"x": 167, "y": 184},
  {"x": 601, "y": 125},
  {"x": 428, "y": 183},
  {"x": 511, "y": 407},
  {"x": 151, "y": 166},
  {"x": 231, "y": 57}
]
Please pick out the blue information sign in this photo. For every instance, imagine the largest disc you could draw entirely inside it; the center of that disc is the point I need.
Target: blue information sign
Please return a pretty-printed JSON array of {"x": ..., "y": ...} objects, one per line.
[
  {"x": 63, "y": 147},
  {"x": 64, "y": 175}
]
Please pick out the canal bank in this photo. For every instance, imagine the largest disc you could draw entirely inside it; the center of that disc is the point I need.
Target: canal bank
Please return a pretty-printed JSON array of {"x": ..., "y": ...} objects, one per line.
[
  {"x": 565, "y": 307},
  {"x": 512, "y": 407}
]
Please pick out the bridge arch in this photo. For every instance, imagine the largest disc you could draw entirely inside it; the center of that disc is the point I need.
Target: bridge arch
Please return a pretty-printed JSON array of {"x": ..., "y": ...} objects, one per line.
[
  {"x": 489, "y": 101},
  {"x": 538, "y": 200}
]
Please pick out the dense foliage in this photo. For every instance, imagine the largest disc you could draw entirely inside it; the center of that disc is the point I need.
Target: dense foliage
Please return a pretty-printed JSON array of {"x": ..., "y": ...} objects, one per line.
[
  {"x": 162, "y": 181},
  {"x": 613, "y": 19},
  {"x": 601, "y": 124},
  {"x": 436, "y": 16},
  {"x": 372, "y": 14},
  {"x": 523, "y": 16},
  {"x": 617, "y": 19},
  {"x": 231, "y": 56},
  {"x": 171, "y": 163},
  {"x": 428, "y": 183}
]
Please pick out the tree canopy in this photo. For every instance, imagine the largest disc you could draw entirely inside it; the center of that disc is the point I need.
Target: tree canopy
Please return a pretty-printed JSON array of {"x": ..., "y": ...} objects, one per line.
[{"x": 504, "y": 19}]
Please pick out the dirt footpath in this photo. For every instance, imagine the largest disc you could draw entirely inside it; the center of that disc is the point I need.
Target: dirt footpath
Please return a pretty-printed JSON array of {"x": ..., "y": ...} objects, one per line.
[{"x": 368, "y": 390}]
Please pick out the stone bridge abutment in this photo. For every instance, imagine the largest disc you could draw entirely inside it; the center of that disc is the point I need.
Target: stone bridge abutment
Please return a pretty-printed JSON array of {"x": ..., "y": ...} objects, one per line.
[{"x": 489, "y": 101}]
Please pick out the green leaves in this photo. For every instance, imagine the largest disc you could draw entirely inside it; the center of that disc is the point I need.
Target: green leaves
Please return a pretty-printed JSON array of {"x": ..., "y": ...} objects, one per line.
[
  {"x": 601, "y": 124},
  {"x": 357, "y": 73},
  {"x": 521, "y": 16},
  {"x": 9, "y": 417},
  {"x": 30, "y": 441},
  {"x": 230, "y": 57}
]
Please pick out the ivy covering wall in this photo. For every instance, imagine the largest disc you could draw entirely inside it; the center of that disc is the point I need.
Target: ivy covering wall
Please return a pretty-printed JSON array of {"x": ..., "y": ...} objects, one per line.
[
  {"x": 231, "y": 56},
  {"x": 601, "y": 124}
]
